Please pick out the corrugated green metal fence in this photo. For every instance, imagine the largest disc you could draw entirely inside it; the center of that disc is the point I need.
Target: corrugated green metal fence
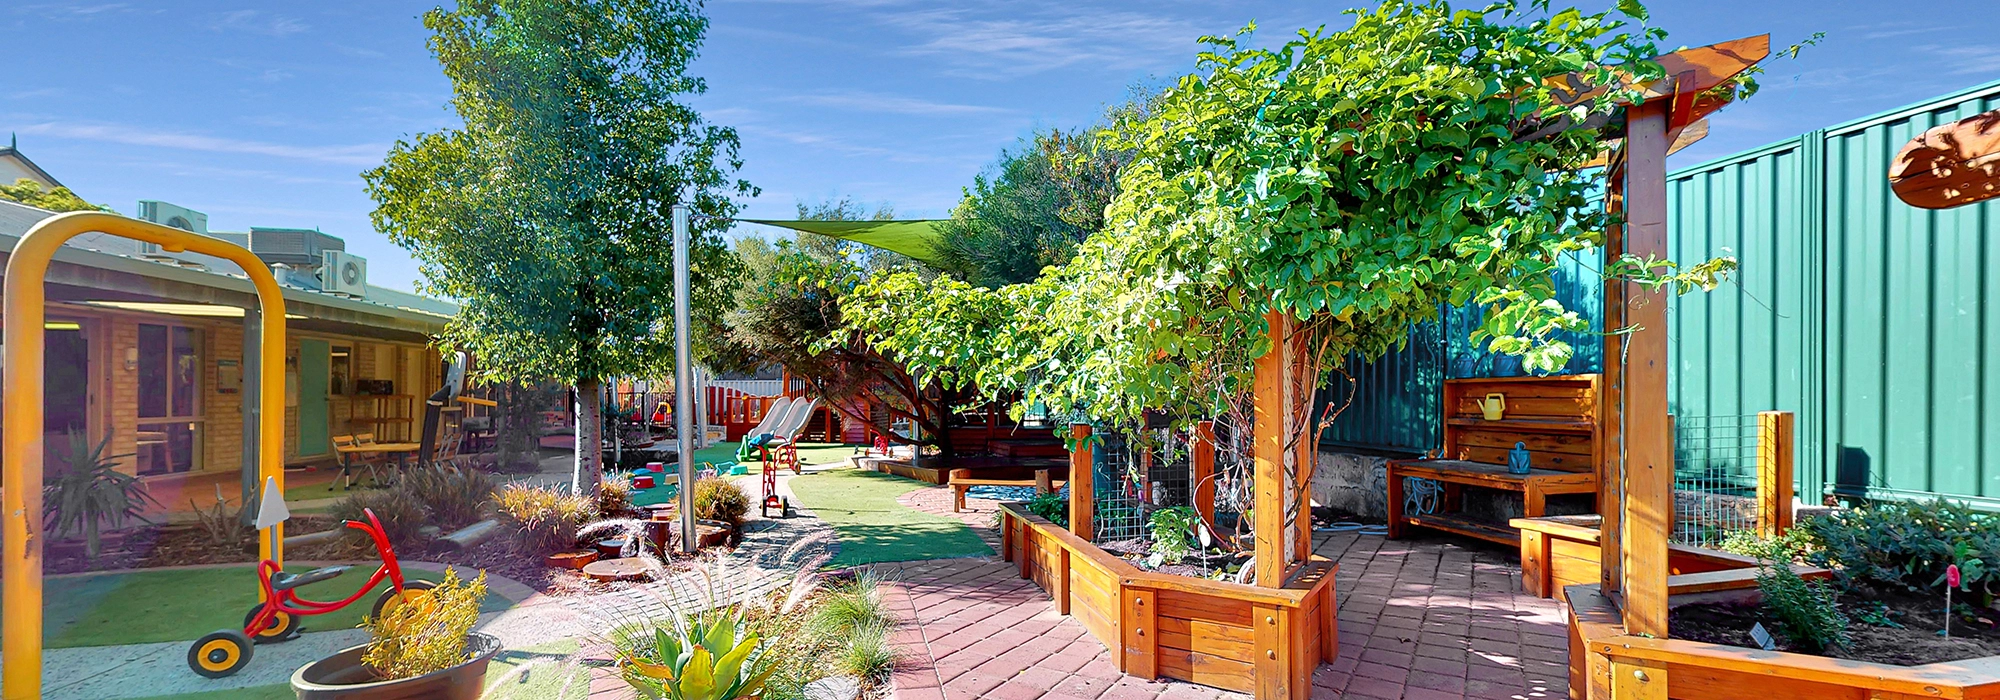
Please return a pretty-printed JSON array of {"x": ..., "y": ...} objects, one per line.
[{"x": 1875, "y": 322}]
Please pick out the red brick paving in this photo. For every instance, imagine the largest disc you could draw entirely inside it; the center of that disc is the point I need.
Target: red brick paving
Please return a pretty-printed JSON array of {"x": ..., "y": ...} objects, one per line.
[{"x": 1419, "y": 620}]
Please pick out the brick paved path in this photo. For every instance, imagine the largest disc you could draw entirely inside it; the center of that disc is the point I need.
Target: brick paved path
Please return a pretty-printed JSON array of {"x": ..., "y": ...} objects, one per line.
[{"x": 1419, "y": 619}]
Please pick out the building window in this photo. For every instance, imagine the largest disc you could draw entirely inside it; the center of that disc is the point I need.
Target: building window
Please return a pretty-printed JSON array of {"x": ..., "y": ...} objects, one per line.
[{"x": 170, "y": 415}]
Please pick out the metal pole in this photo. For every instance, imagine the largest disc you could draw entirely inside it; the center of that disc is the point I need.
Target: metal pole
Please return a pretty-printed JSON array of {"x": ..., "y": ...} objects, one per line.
[{"x": 683, "y": 379}]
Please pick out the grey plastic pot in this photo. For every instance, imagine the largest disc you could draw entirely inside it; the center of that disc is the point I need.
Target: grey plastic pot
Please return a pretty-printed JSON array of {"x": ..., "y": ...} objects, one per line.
[{"x": 343, "y": 677}]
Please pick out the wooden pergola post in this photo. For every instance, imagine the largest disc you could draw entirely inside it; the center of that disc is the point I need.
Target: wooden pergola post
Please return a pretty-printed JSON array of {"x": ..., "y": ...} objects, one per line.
[
  {"x": 1774, "y": 473},
  {"x": 1276, "y": 393},
  {"x": 1201, "y": 454},
  {"x": 1646, "y": 507},
  {"x": 1082, "y": 500}
]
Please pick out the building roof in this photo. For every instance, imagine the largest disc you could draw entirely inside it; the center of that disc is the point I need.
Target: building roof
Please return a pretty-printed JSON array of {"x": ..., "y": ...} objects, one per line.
[
  {"x": 11, "y": 153},
  {"x": 184, "y": 276}
]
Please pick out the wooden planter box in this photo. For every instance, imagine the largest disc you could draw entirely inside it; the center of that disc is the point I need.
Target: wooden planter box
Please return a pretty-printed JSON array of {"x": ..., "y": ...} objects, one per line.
[
  {"x": 1561, "y": 551},
  {"x": 1264, "y": 641},
  {"x": 1604, "y": 661}
]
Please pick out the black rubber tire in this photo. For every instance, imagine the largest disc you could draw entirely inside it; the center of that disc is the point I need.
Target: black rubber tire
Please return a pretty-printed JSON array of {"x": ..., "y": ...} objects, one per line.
[
  {"x": 283, "y": 628},
  {"x": 389, "y": 597},
  {"x": 220, "y": 653}
]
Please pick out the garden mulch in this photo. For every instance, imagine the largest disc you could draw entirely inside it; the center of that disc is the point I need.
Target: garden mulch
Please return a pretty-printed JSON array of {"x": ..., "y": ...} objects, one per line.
[{"x": 1912, "y": 640}]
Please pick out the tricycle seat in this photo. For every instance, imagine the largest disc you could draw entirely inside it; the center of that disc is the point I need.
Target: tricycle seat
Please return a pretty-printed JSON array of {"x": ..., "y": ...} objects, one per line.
[{"x": 283, "y": 581}]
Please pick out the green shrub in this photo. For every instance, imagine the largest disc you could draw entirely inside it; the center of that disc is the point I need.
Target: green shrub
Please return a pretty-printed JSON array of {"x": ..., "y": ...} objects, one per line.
[
  {"x": 720, "y": 499},
  {"x": 614, "y": 495},
  {"x": 543, "y": 520},
  {"x": 852, "y": 606},
  {"x": 399, "y": 511},
  {"x": 1907, "y": 545},
  {"x": 1808, "y": 612},
  {"x": 712, "y": 657},
  {"x": 1173, "y": 533},
  {"x": 1053, "y": 507},
  {"x": 869, "y": 654},
  {"x": 223, "y": 524},
  {"x": 426, "y": 632},
  {"x": 453, "y": 496},
  {"x": 89, "y": 492}
]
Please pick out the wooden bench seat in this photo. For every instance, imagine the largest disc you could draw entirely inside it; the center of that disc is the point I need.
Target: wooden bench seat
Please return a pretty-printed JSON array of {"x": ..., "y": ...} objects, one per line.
[
  {"x": 1535, "y": 487},
  {"x": 1554, "y": 418},
  {"x": 963, "y": 480}
]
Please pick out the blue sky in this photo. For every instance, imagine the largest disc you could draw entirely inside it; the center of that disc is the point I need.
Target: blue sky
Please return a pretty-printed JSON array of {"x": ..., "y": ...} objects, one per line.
[{"x": 264, "y": 114}]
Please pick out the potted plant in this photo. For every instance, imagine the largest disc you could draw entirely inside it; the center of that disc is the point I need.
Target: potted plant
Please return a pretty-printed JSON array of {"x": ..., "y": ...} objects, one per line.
[
  {"x": 690, "y": 660},
  {"x": 424, "y": 648},
  {"x": 90, "y": 492}
]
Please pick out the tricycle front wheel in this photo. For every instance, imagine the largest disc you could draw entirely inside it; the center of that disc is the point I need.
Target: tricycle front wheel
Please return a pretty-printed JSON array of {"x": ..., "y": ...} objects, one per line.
[
  {"x": 220, "y": 653},
  {"x": 414, "y": 591}
]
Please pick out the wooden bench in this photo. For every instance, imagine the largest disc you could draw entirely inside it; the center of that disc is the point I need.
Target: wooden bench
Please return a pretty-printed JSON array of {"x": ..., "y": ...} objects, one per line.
[
  {"x": 1555, "y": 418},
  {"x": 964, "y": 479}
]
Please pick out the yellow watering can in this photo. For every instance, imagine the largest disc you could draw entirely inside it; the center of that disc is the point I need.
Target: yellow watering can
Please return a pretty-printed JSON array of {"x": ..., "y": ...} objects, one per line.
[{"x": 1493, "y": 406}]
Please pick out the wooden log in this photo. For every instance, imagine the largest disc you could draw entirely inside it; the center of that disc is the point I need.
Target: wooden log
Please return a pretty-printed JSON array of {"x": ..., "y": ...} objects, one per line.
[
  {"x": 471, "y": 535},
  {"x": 1646, "y": 513},
  {"x": 1774, "y": 472},
  {"x": 311, "y": 538},
  {"x": 1082, "y": 501}
]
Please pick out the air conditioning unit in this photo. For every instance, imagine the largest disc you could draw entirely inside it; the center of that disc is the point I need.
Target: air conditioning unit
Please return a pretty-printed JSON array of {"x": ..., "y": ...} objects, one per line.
[
  {"x": 172, "y": 215},
  {"x": 343, "y": 273}
]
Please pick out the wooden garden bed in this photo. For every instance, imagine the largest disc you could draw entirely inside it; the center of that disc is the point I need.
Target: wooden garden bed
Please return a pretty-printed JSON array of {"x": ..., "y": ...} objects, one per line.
[
  {"x": 1602, "y": 654},
  {"x": 1562, "y": 551},
  {"x": 1264, "y": 641}
]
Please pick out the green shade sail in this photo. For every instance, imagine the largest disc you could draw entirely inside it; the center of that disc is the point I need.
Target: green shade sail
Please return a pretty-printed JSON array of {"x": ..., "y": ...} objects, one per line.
[{"x": 916, "y": 238}]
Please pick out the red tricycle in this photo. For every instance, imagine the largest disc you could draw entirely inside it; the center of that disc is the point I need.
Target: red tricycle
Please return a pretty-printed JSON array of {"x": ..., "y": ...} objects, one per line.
[{"x": 223, "y": 652}]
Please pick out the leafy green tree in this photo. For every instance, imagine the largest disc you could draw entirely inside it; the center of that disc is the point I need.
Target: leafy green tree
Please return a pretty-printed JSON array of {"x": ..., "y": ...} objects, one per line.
[
  {"x": 548, "y": 212},
  {"x": 1041, "y": 200},
  {"x": 1352, "y": 180},
  {"x": 791, "y": 314},
  {"x": 59, "y": 199}
]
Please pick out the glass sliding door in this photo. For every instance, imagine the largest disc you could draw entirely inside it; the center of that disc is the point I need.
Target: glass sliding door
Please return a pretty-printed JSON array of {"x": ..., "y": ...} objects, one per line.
[{"x": 169, "y": 405}]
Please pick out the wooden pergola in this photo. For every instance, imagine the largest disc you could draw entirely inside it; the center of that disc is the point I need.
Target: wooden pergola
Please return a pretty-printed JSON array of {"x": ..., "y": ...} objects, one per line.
[{"x": 1286, "y": 621}]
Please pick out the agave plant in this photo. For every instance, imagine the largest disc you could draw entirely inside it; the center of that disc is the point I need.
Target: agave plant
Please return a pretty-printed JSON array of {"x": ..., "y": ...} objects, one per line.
[
  {"x": 692, "y": 660},
  {"x": 91, "y": 492}
]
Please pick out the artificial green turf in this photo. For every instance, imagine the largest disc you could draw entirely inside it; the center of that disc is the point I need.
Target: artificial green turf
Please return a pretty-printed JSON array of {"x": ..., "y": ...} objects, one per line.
[
  {"x": 554, "y": 666},
  {"x": 184, "y": 604},
  {"x": 261, "y": 692},
  {"x": 873, "y": 527}
]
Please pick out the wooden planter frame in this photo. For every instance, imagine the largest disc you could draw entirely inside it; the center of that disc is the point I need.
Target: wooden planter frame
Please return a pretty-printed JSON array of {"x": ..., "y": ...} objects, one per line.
[
  {"x": 1252, "y": 639},
  {"x": 1607, "y": 662}
]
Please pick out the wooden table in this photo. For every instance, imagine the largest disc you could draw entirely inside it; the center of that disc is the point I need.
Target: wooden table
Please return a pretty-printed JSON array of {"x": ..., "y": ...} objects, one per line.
[{"x": 398, "y": 450}]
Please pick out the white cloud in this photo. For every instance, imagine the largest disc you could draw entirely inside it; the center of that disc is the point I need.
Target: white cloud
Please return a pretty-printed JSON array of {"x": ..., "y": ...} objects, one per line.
[
  {"x": 1023, "y": 40},
  {"x": 74, "y": 10},
  {"x": 1965, "y": 60},
  {"x": 257, "y": 22},
  {"x": 364, "y": 154},
  {"x": 893, "y": 104}
]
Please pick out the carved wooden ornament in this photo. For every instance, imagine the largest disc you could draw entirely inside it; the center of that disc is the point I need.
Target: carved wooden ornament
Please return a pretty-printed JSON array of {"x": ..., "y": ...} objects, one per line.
[{"x": 1951, "y": 165}]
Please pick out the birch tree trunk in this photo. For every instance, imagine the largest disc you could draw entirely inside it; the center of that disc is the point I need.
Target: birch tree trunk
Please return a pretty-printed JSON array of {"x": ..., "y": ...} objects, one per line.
[{"x": 589, "y": 437}]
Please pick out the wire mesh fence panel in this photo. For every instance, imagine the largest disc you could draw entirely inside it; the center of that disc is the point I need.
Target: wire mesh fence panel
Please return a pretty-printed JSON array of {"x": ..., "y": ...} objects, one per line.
[
  {"x": 1116, "y": 487},
  {"x": 1715, "y": 478}
]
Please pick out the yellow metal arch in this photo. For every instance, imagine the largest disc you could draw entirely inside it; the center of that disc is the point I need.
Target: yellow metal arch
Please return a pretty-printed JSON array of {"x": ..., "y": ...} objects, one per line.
[{"x": 21, "y": 444}]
